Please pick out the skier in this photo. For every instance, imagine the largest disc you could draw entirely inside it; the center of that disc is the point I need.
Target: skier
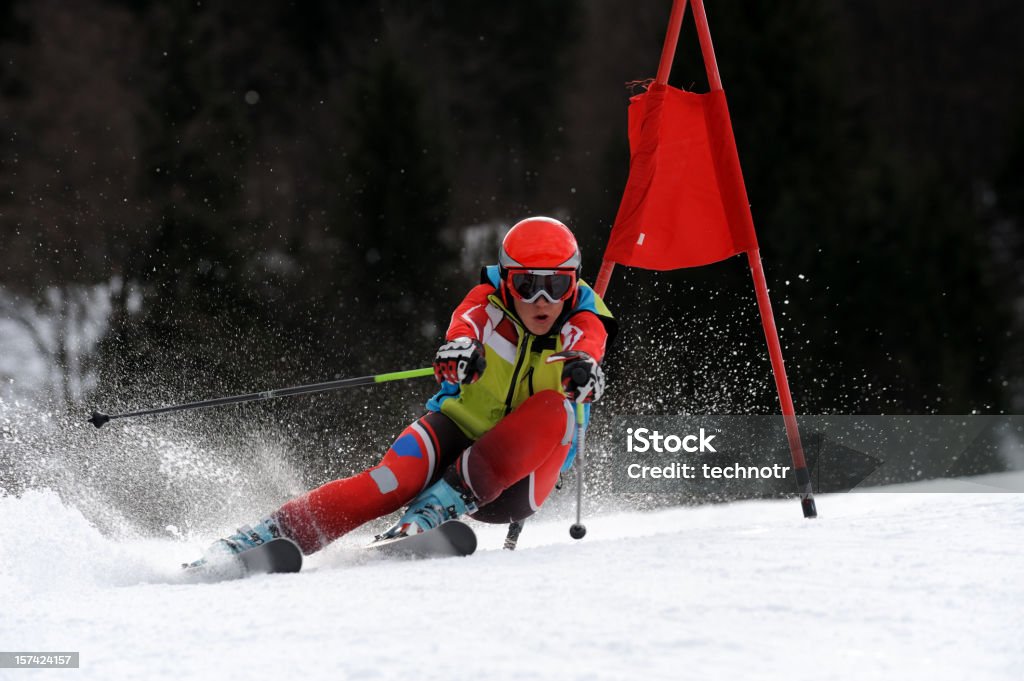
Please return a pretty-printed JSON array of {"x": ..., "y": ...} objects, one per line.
[{"x": 522, "y": 348}]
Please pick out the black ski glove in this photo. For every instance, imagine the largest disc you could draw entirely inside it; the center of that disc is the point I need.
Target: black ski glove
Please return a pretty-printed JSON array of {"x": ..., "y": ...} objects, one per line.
[
  {"x": 460, "y": 361},
  {"x": 582, "y": 376}
]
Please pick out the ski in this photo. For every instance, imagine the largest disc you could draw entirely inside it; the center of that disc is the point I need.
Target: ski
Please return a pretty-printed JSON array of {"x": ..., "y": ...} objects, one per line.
[
  {"x": 275, "y": 556},
  {"x": 453, "y": 538}
]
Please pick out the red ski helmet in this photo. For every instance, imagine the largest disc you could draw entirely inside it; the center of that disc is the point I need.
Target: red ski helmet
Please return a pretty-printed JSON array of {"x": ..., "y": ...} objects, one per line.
[
  {"x": 539, "y": 243},
  {"x": 539, "y": 257}
]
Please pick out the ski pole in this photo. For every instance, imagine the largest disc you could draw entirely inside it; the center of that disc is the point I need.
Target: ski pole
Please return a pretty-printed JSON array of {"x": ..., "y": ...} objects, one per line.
[
  {"x": 512, "y": 537},
  {"x": 99, "y": 418},
  {"x": 578, "y": 530}
]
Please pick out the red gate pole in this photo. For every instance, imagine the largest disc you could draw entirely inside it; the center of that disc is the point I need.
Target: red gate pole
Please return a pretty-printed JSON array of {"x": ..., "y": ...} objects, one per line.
[{"x": 764, "y": 304}]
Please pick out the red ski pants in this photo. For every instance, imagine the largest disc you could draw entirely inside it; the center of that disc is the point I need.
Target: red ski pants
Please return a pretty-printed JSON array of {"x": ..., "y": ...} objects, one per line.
[{"x": 510, "y": 470}]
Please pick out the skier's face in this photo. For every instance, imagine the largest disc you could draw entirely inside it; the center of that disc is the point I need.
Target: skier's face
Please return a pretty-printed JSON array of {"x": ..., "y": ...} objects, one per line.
[{"x": 538, "y": 316}]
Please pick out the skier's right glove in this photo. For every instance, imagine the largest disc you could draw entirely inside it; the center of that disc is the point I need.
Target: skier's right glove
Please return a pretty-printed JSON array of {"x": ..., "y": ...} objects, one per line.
[
  {"x": 582, "y": 376},
  {"x": 460, "y": 361}
]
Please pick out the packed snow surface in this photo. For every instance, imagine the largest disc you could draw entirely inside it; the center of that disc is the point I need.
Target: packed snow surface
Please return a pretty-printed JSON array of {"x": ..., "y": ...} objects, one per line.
[{"x": 905, "y": 585}]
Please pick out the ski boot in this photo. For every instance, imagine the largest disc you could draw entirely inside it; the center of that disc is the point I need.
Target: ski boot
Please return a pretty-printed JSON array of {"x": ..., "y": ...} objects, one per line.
[
  {"x": 247, "y": 537},
  {"x": 437, "y": 504}
]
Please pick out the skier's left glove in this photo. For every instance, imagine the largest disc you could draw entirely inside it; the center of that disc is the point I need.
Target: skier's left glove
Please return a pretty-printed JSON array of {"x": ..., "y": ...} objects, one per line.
[
  {"x": 461, "y": 360},
  {"x": 582, "y": 376}
]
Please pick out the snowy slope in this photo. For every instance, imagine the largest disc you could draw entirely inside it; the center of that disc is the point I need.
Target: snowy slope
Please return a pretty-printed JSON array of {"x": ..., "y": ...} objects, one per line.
[{"x": 909, "y": 585}]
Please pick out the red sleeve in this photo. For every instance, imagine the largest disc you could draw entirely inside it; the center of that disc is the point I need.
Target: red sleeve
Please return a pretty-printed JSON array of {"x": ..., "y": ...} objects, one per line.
[
  {"x": 470, "y": 317},
  {"x": 585, "y": 332}
]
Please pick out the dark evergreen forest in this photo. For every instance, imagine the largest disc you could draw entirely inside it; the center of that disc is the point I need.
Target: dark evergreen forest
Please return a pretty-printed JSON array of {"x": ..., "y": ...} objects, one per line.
[{"x": 285, "y": 192}]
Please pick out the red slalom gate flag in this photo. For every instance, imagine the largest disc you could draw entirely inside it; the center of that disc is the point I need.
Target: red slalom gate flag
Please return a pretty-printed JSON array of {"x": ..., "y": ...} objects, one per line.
[{"x": 685, "y": 203}]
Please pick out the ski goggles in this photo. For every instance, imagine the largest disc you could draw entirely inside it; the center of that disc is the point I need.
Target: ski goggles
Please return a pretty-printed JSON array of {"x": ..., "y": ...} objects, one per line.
[{"x": 529, "y": 285}]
